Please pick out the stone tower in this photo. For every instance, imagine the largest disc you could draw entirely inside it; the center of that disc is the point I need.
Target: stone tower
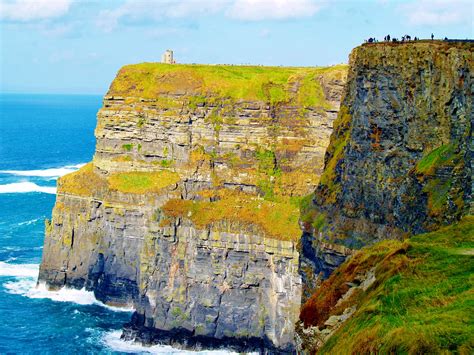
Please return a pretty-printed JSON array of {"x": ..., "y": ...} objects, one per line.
[{"x": 167, "y": 57}]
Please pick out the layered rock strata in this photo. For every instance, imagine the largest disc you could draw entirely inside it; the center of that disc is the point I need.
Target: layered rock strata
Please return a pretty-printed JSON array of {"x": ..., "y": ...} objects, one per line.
[
  {"x": 400, "y": 158},
  {"x": 188, "y": 211}
]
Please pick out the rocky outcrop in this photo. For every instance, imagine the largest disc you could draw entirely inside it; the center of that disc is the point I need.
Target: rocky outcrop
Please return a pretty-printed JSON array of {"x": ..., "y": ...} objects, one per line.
[
  {"x": 187, "y": 212},
  {"x": 400, "y": 158}
]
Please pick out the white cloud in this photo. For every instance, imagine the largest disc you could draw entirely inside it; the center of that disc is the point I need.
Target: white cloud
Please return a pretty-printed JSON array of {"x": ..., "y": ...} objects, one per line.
[
  {"x": 438, "y": 12},
  {"x": 30, "y": 10},
  {"x": 155, "y": 11},
  {"x": 255, "y": 10}
]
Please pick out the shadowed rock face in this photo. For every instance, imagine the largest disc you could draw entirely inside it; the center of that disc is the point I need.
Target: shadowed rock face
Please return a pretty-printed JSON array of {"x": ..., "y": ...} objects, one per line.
[
  {"x": 139, "y": 225},
  {"x": 400, "y": 157}
]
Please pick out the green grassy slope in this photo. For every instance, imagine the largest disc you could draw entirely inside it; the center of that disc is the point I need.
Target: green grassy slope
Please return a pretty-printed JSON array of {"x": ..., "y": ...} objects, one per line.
[
  {"x": 422, "y": 301},
  {"x": 269, "y": 84}
]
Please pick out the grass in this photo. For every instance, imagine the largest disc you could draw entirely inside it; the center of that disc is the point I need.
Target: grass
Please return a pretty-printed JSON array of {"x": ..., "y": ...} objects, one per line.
[
  {"x": 278, "y": 220},
  {"x": 439, "y": 188},
  {"x": 335, "y": 152},
  {"x": 268, "y": 84},
  {"x": 422, "y": 300},
  {"x": 127, "y": 147},
  {"x": 142, "y": 182},
  {"x": 437, "y": 157},
  {"x": 438, "y": 193},
  {"x": 86, "y": 182}
]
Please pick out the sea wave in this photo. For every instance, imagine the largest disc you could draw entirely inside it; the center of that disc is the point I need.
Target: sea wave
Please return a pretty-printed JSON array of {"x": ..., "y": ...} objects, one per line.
[
  {"x": 28, "y": 288},
  {"x": 26, "y": 285},
  {"x": 19, "y": 270},
  {"x": 26, "y": 186},
  {"x": 112, "y": 341},
  {"x": 31, "y": 221},
  {"x": 47, "y": 173}
]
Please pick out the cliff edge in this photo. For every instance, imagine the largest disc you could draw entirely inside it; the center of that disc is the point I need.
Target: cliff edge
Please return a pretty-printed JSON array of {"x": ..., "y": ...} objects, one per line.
[
  {"x": 189, "y": 210},
  {"x": 399, "y": 161}
]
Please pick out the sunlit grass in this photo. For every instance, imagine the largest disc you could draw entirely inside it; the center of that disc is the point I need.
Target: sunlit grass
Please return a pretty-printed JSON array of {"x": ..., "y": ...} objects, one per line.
[{"x": 422, "y": 300}]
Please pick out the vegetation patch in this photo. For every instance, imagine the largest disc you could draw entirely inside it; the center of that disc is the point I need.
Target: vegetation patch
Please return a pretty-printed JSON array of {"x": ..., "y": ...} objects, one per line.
[
  {"x": 439, "y": 187},
  {"x": 127, "y": 147},
  {"x": 141, "y": 122},
  {"x": 276, "y": 219},
  {"x": 142, "y": 182},
  {"x": 437, "y": 157},
  {"x": 269, "y": 84},
  {"x": 438, "y": 192},
  {"x": 311, "y": 93},
  {"x": 167, "y": 163},
  {"x": 329, "y": 185},
  {"x": 196, "y": 101},
  {"x": 122, "y": 158},
  {"x": 421, "y": 302},
  {"x": 84, "y": 182}
]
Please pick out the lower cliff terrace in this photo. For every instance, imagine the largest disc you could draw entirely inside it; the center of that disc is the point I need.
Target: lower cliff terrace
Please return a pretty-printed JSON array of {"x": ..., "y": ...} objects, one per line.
[{"x": 189, "y": 211}]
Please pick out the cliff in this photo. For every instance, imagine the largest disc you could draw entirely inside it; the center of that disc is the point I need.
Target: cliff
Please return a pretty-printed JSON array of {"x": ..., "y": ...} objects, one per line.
[
  {"x": 399, "y": 160},
  {"x": 189, "y": 210}
]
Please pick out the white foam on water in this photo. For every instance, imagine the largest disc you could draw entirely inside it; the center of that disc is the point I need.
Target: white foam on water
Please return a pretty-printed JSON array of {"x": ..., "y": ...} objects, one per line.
[
  {"x": 19, "y": 270},
  {"x": 31, "y": 221},
  {"x": 25, "y": 285},
  {"x": 29, "y": 288},
  {"x": 47, "y": 173},
  {"x": 64, "y": 294},
  {"x": 113, "y": 342},
  {"x": 25, "y": 187}
]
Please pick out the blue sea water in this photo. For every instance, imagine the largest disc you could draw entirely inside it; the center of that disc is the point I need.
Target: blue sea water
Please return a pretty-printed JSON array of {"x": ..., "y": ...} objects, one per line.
[{"x": 43, "y": 137}]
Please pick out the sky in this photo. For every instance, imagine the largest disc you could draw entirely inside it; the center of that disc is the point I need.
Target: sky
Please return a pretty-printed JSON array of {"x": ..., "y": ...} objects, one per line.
[{"x": 77, "y": 46}]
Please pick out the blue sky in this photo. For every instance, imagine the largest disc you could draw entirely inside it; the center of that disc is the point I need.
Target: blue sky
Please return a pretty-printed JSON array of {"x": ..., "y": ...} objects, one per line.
[{"x": 73, "y": 46}]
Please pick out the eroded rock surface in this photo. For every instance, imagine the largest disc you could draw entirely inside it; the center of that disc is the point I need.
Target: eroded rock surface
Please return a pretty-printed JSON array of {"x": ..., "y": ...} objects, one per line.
[
  {"x": 400, "y": 159},
  {"x": 188, "y": 212}
]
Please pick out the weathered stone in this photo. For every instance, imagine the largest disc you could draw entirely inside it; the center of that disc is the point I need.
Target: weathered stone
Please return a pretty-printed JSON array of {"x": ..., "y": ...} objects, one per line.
[
  {"x": 227, "y": 284},
  {"x": 400, "y": 158}
]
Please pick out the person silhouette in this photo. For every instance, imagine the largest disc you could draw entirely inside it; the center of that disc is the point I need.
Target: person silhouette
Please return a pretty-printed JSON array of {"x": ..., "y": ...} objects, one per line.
[{"x": 432, "y": 36}]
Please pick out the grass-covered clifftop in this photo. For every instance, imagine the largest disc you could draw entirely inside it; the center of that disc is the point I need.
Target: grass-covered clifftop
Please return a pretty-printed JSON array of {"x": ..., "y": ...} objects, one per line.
[
  {"x": 420, "y": 299},
  {"x": 205, "y": 82}
]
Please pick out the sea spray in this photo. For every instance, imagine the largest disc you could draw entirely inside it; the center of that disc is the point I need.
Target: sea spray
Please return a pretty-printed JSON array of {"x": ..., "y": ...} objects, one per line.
[
  {"x": 113, "y": 341},
  {"x": 47, "y": 173},
  {"x": 25, "y": 187},
  {"x": 26, "y": 285}
]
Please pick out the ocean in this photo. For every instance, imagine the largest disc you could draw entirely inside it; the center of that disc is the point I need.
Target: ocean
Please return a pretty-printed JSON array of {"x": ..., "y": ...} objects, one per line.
[{"x": 43, "y": 137}]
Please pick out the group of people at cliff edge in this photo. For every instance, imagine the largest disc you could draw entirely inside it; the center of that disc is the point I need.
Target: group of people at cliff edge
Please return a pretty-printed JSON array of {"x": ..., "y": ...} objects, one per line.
[{"x": 405, "y": 38}]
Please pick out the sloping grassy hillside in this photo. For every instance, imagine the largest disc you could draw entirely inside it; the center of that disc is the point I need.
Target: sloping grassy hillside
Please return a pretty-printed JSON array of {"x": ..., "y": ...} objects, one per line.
[
  {"x": 269, "y": 84},
  {"x": 422, "y": 301}
]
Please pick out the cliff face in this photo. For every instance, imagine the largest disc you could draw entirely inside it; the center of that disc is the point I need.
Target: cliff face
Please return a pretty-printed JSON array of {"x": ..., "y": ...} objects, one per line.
[
  {"x": 400, "y": 158},
  {"x": 189, "y": 210}
]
